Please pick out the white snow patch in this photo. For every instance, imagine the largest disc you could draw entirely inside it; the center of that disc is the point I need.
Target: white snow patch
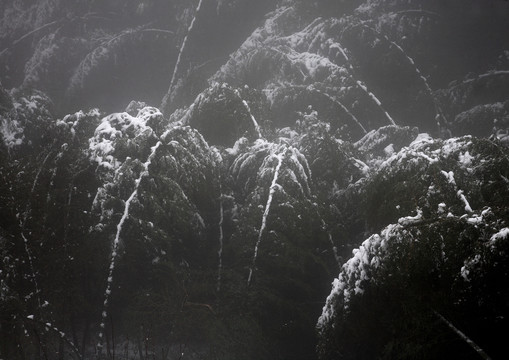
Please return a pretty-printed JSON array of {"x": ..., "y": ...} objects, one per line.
[
  {"x": 449, "y": 176},
  {"x": 389, "y": 150},
  {"x": 442, "y": 208},
  {"x": 411, "y": 220},
  {"x": 356, "y": 271},
  {"x": 272, "y": 190},
  {"x": 501, "y": 235},
  {"x": 466, "y": 269},
  {"x": 114, "y": 127},
  {"x": 466, "y": 159},
  {"x": 465, "y": 201},
  {"x": 422, "y": 138}
]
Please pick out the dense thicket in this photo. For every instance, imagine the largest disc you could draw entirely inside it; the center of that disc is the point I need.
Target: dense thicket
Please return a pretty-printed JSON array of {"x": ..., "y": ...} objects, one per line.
[{"x": 207, "y": 218}]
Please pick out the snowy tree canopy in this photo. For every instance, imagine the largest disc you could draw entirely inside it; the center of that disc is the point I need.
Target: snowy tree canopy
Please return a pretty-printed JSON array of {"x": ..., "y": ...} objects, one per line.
[{"x": 235, "y": 179}]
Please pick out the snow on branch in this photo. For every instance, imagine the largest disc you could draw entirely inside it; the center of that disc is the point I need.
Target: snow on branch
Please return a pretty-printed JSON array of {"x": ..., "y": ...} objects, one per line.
[
  {"x": 343, "y": 107},
  {"x": 50, "y": 327},
  {"x": 103, "y": 51},
  {"x": 40, "y": 28},
  {"x": 116, "y": 241},
  {"x": 169, "y": 94},
  {"x": 279, "y": 157},
  {"x": 357, "y": 271},
  {"x": 460, "y": 193},
  {"x": 464, "y": 337},
  {"x": 359, "y": 83},
  {"x": 221, "y": 238},
  {"x": 246, "y": 105},
  {"x": 440, "y": 117}
]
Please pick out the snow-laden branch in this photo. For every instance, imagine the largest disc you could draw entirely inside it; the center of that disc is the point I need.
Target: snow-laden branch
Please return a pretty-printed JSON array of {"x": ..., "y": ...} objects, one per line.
[
  {"x": 266, "y": 212},
  {"x": 169, "y": 95},
  {"x": 360, "y": 84},
  {"x": 269, "y": 93},
  {"x": 439, "y": 114},
  {"x": 333, "y": 246},
  {"x": 22, "y": 226},
  {"x": 485, "y": 75},
  {"x": 312, "y": 61},
  {"x": 460, "y": 193},
  {"x": 344, "y": 108},
  {"x": 465, "y": 338},
  {"x": 130, "y": 32},
  {"x": 102, "y": 50},
  {"x": 376, "y": 100},
  {"x": 116, "y": 241},
  {"x": 32, "y": 269},
  {"x": 417, "y": 12},
  {"x": 49, "y": 326},
  {"x": 220, "y": 251},
  {"x": 17, "y": 41},
  {"x": 36, "y": 179},
  {"x": 246, "y": 105}
]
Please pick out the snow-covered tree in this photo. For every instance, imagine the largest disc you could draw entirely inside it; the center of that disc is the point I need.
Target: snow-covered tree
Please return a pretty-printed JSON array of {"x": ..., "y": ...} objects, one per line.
[
  {"x": 293, "y": 132},
  {"x": 417, "y": 266}
]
